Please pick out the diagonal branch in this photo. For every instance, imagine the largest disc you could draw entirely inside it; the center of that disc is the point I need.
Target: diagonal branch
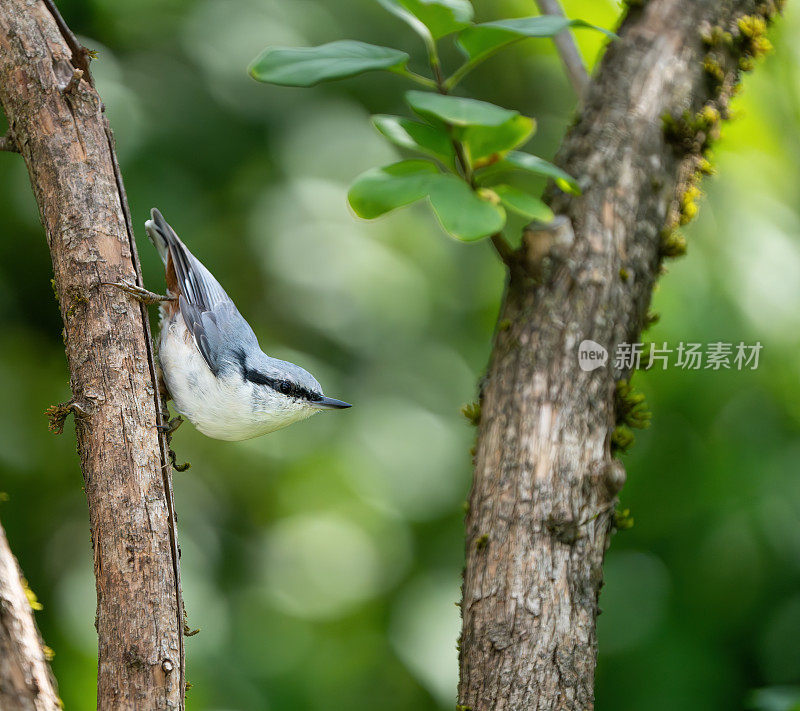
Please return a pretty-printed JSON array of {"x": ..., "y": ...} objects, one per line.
[
  {"x": 567, "y": 49},
  {"x": 45, "y": 82},
  {"x": 26, "y": 682}
]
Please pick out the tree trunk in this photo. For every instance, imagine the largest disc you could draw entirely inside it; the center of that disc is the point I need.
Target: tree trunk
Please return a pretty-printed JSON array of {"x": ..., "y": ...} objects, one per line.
[
  {"x": 26, "y": 682},
  {"x": 58, "y": 126},
  {"x": 545, "y": 483}
]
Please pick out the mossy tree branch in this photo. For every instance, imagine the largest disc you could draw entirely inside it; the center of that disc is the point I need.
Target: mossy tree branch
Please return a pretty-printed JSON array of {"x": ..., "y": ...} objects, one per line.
[{"x": 546, "y": 479}]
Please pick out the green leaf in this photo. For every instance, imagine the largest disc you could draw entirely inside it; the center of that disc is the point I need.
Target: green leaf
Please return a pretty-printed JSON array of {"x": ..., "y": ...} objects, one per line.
[
  {"x": 457, "y": 111},
  {"x": 381, "y": 190},
  {"x": 486, "y": 141},
  {"x": 461, "y": 212},
  {"x": 516, "y": 160},
  {"x": 479, "y": 41},
  {"x": 399, "y": 10},
  {"x": 432, "y": 18},
  {"x": 306, "y": 66},
  {"x": 416, "y": 136},
  {"x": 523, "y": 203}
]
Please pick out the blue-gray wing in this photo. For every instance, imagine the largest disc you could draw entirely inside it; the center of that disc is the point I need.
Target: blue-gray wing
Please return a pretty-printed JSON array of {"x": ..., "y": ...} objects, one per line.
[{"x": 219, "y": 330}]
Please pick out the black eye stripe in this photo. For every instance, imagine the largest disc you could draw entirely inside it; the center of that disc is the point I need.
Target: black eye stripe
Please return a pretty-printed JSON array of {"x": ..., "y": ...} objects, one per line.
[{"x": 282, "y": 386}]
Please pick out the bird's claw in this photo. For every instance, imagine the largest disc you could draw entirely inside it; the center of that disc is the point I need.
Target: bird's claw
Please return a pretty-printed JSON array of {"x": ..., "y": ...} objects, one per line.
[
  {"x": 142, "y": 295},
  {"x": 171, "y": 426},
  {"x": 177, "y": 467}
]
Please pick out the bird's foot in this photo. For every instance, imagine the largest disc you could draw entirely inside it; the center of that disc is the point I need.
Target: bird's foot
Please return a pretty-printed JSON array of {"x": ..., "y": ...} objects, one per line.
[
  {"x": 139, "y": 293},
  {"x": 171, "y": 426},
  {"x": 174, "y": 461}
]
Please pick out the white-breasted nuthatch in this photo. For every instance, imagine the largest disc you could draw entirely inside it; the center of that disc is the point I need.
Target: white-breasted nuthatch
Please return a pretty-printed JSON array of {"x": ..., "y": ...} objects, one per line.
[{"x": 215, "y": 371}]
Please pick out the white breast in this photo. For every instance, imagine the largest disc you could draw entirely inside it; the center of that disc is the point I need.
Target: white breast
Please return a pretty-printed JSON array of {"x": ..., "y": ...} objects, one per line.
[{"x": 225, "y": 407}]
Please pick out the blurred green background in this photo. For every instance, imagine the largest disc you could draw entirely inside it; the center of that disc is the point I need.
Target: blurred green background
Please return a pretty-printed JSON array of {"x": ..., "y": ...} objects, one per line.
[{"x": 323, "y": 562}]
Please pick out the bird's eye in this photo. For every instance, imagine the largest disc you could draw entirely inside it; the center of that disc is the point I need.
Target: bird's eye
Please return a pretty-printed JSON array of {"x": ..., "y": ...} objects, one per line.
[{"x": 286, "y": 388}]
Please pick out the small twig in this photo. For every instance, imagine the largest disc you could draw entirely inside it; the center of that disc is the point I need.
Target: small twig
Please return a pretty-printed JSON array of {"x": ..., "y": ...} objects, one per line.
[
  {"x": 9, "y": 143},
  {"x": 439, "y": 78},
  {"x": 80, "y": 54},
  {"x": 505, "y": 251},
  {"x": 567, "y": 49}
]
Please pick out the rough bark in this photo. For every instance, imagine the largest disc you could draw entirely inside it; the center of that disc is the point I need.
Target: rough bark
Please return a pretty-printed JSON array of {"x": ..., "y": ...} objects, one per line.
[
  {"x": 26, "y": 682},
  {"x": 57, "y": 122},
  {"x": 545, "y": 482}
]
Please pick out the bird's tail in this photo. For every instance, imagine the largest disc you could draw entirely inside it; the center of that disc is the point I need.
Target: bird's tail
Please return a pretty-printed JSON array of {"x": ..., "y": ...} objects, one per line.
[{"x": 160, "y": 233}]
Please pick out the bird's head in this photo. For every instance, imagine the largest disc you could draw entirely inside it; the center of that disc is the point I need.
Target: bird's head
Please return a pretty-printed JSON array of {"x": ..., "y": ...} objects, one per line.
[{"x": 282, "y": 392}]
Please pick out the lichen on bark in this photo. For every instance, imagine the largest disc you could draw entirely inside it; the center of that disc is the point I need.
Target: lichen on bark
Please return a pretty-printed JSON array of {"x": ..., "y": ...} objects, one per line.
[{"x": 545, "y": 480}]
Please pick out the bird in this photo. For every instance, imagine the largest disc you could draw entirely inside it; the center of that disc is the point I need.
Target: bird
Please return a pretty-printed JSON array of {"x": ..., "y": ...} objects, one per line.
[{"x": 210, "y": 360}]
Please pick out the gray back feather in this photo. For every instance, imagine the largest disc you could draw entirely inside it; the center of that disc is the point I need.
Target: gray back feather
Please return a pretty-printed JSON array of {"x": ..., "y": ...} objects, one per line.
[{"x": 219, "y": 330}]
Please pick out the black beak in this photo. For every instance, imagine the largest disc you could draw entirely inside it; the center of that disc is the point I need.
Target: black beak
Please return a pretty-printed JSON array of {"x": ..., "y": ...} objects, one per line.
[{"x": 330, "y": 404}]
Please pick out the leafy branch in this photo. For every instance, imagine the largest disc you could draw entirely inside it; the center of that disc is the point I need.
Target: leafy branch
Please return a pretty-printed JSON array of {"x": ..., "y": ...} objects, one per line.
[{"x": 468, "y": 147}]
